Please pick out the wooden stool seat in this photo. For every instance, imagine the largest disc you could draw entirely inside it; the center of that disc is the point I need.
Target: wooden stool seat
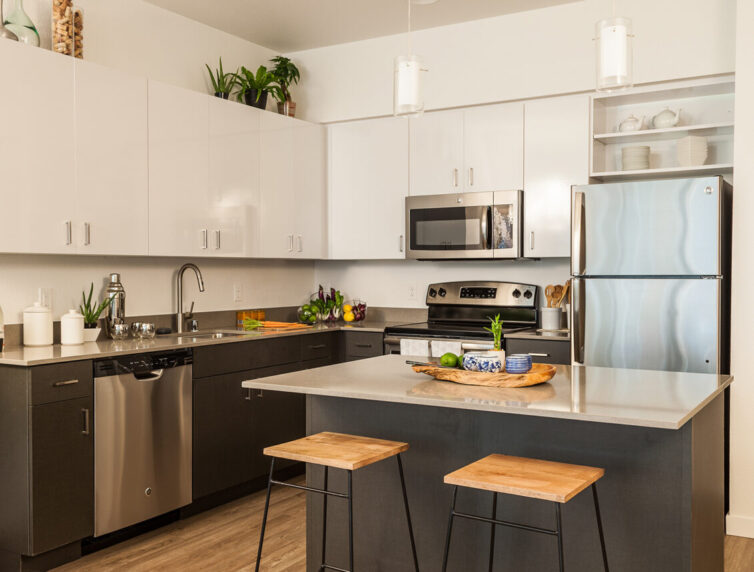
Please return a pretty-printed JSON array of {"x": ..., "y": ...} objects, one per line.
[
  {"x": 337, "y": 450},
  {"x": 533, "y": 478}
]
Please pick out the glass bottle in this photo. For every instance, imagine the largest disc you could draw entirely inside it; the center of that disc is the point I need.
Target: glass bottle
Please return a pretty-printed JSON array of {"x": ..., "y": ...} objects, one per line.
[
  {"x": 5, "y": 32},
  {"x": 19, "y": 23}
]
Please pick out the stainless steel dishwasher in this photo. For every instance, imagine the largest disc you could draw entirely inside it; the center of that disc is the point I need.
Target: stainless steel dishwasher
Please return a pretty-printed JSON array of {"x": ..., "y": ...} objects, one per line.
[{"x": 142, "y": 437}]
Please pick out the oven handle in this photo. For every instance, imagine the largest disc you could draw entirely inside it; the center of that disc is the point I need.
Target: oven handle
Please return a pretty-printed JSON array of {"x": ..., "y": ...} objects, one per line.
[{"x": 475, "y": 347}]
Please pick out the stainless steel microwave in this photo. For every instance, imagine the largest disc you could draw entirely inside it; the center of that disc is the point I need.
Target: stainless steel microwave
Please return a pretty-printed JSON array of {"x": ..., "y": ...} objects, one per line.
[{"x": 464, "y": 225}]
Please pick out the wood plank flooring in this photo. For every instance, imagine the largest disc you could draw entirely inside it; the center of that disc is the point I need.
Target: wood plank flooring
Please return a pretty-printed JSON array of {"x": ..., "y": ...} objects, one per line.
[{"x": 225, "y": 539}]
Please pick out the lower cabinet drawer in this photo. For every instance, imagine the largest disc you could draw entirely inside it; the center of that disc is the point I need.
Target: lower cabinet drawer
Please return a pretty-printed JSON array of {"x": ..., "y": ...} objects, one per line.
[
  {"x": 61, "y": 381},
  {"x": 363, "y": 345},
  {"x": 317, "y": 346},
  {"x": 541, "y": 351}
]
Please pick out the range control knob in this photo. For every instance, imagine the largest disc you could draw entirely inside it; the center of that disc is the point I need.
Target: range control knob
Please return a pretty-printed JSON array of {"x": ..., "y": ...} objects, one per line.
[
  {"x": 432, "y": 292},
  {"x": 528, "y": 294},
  {"x": 442, "y": 292},
  {"x": 517, "y": 293}
]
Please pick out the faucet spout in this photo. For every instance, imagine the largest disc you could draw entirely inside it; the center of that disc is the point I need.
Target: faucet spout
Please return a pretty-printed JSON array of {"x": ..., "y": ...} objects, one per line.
[{"x": 179, "y": 289}]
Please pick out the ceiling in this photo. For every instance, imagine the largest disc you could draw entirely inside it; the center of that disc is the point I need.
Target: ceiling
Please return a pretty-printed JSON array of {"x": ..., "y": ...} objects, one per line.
[{"x": 292, "y": 25}]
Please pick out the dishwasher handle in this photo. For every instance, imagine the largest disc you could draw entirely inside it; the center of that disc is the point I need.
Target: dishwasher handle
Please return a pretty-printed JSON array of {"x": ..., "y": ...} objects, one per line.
[{"x": 153, "y": 375}]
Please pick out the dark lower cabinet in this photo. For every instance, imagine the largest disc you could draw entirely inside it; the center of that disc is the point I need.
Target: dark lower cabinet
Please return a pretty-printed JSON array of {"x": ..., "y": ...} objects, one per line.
[
  {"x": 361, "y": 345},
  {"x": 556, "y": 352}
]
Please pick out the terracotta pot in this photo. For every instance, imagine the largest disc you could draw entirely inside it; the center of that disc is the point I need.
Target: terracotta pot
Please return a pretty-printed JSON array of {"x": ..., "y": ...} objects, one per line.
[{"x": 287, "y": 108}]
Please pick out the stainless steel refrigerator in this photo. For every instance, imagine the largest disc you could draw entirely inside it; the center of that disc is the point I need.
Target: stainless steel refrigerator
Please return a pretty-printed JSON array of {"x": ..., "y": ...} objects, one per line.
[{"x": 650, "y": 264}]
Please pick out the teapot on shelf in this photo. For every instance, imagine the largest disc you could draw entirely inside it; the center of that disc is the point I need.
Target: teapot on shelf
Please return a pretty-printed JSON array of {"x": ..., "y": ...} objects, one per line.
[
  {"x": 666, "y": 118},
  {"x": 631, "y": 123}
]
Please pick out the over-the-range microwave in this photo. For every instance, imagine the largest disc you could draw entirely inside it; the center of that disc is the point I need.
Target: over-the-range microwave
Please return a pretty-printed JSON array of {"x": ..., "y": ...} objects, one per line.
[{"x": 464, "y": 225}]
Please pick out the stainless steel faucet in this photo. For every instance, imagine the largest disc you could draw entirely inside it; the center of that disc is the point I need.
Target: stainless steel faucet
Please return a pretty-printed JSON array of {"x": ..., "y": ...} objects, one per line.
[{"x": 179, "y": 280}]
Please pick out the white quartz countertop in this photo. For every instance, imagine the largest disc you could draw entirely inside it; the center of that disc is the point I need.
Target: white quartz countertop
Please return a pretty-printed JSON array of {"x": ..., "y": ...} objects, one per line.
[{"x": 659, "y": 399}]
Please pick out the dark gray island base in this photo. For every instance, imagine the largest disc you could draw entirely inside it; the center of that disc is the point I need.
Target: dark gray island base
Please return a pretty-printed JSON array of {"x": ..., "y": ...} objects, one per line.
[{"x": 662, "y": 497}]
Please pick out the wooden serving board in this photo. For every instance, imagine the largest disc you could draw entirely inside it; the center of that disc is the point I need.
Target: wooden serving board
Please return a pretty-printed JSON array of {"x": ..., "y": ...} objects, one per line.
[
  {"x": 481, "y": 394},
  {"x": 539, "y": 373}
]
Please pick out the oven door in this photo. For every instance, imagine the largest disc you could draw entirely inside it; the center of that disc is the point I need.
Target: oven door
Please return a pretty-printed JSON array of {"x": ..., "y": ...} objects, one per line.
[
  {"x": 506, "y": 224},
  {"x": 449, "y": 226}
]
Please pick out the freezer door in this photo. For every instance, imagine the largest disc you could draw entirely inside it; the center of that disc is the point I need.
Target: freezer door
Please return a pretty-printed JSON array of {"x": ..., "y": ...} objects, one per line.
[
  {"x": 661, "y": 324},
  {"x": 647, "y": 228}
]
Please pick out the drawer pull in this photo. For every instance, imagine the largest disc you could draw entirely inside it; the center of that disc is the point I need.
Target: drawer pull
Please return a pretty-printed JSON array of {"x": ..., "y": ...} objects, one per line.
[
  {"x": 85, "y": 413},
  {"x": 248, "y": 394},
  {"x": 66, "y": 382},
  {"x": 318, "y": 347},
  {"x": 363, "y": 345},
  {"x": 532, "y": 354}
]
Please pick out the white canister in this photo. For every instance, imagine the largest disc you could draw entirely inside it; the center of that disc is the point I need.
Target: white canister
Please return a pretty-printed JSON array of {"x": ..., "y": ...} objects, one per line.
[
  {"x": 72, "y": 328},
  {"x": 551, "y": 318},
  {"x": 37, "y": 325}
]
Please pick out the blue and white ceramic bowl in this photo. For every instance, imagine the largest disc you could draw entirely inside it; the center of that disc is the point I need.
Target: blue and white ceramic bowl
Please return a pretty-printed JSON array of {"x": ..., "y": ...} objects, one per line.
[
  {"x": 518, "y": 363},
  {"x": 485, "y": 362}
]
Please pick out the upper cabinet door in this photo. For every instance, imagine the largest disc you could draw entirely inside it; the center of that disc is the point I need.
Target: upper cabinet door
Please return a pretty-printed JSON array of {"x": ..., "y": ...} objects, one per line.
[
  {"x": 557, "y": 156},
  {"x": 179, "y": 208},
  {"x": 493, "y": 148},
  {"x": 437, "y": 153},
  {"x": 37, "y": 193},
  {"x": 368, "y": 181},
  {"x": 112, "y": 185},
  {"x": 277, "y": 214},
  {"x": 310, "y": 186},
  {"x": 234, "y": 178}
]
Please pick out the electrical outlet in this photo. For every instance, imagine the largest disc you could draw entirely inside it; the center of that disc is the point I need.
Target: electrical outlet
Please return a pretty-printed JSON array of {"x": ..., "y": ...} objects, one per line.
[
  {"x": 412, "y": 292},
  {"x": 237, "y": 293}
]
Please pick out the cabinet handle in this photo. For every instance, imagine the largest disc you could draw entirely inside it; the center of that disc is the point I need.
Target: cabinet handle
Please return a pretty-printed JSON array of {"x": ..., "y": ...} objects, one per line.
[
  {"x": 533, "y": 354},
  {"x": 87, "y": 234},
  {"x": 85, "y": 413},
  {"x": 204, "y": 239},
  {"x": 402, "y": 243},
  {"x": 68, "y": 233},
  {"x": 300, "y": 243},
  {"x": 217, "y": 240},
  {"x": 318, "y": 347},
  {"x": 290, "y": 243},
  {"x": 531, "y": 240},
  {"x": 471, "y": 176},
  {"x": 248, "y": 394},
  {"x": 260, "y": 394},
  {"x": 455, "y": 177},
  {"x": 363, "y": 345},
  {"x": 66, "y": 382}
]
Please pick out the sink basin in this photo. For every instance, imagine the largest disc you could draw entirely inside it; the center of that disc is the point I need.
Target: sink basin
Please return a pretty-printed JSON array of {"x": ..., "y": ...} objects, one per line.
[{"x": 195, "y": 336}]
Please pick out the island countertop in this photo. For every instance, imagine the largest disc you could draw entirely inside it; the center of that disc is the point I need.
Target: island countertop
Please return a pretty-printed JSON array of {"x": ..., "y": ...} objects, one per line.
[{"x": 642, "y": 398}]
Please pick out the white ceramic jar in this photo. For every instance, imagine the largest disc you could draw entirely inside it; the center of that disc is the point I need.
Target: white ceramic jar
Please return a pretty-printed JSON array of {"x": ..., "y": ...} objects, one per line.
[
  {"x": 72, "y": 328},
  {"x": 37, "y": 325}
]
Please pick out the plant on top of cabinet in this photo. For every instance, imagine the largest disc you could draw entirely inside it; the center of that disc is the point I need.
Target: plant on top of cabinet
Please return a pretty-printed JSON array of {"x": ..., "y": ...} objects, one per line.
[
  {"x": 19, "y": 23},
  {"x": 285, "y": 73},
  {"x": 255, "y": 87},
  {"x": 223, "y": 83}
]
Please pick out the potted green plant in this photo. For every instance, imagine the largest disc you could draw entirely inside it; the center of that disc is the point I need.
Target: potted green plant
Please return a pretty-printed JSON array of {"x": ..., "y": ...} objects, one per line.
[
  {"x": 254, "y": 87},
  {"x": 496, "y": 329},
  {"x": 286, "y": 74},
  {"x": 223, "y": 83},
  {"x": 91, "y": 312}
]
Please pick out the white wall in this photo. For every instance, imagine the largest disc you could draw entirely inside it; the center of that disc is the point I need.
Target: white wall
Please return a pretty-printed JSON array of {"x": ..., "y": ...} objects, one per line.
[
  {"x": 146, "y": 40},
  {"x": 741, "y": 518},
  {"x": 150, "y": 282},
  {"x": 388, "y": 284},
  {"x": 528, "y": 54}
]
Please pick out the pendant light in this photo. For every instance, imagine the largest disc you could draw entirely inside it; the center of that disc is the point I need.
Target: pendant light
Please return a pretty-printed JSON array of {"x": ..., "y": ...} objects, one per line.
[
  {"x": 408, "y": 96},
  {"x": 615, "y": 61}
]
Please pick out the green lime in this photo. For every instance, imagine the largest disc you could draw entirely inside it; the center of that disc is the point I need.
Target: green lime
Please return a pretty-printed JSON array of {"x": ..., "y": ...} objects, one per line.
[{"x": 449, "y": 360}]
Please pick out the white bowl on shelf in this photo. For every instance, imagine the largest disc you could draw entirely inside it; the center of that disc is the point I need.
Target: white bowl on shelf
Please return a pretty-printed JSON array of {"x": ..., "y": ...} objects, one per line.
[
  {"x": 635, "y": 157},
  {"x": 692, "y": 151}
]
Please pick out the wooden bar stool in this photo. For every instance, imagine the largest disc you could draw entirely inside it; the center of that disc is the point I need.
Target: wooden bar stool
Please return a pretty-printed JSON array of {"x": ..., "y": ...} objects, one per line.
[
  {"x": 348, "y": 452},
  {"x": 533, "y": 478}
]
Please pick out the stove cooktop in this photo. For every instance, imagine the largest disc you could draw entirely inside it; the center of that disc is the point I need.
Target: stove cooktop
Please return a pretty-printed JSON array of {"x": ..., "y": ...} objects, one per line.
[{"x": 448, "y": 330}]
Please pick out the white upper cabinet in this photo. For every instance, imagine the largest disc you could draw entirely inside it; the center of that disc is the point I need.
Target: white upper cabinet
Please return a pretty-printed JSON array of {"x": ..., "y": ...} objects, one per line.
[
  {"x": 233, "y": 178},
  {"x": 557, "y": 156},
  {"x": 112, "y": 186},
  {"x": 310, "y": 185},
  {"x": 179, "y": 205},
  {"x": 437, "y": 153},
  {"x": 493, "y": 148},
  {"x": 37, "y": 151},
  {"x": 368, "y": 182}
]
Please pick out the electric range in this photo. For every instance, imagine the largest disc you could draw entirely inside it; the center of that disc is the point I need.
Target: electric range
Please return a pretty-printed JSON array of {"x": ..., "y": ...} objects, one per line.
[{"x": 459, "y": 311}]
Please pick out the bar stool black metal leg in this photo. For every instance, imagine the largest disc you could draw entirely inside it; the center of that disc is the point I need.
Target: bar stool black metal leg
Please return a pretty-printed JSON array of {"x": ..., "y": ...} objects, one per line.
[
  {"x": 559, "y": 534},
  {"x": 408, "y": 512},
  {"x": 599, "y": 526},
  {"x": 350, "y": 521},
  {"x": 264, "y": 518},
  {"x": 450, "y": 528},
  {"x": 492, "y": 531},
  {"x": 324, "y": 522}
]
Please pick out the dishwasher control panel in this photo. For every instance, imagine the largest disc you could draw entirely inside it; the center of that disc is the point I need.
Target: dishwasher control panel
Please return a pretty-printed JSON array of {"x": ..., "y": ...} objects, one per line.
[{"x": 142, "y": 363}]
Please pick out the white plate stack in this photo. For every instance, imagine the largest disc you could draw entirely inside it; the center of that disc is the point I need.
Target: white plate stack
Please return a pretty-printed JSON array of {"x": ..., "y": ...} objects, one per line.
[
  {"x": 692, "y": 151},
  {"x": 635, "y": 158}
]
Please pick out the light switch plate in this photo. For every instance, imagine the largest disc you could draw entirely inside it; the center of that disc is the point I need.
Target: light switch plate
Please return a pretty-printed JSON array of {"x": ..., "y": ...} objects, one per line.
[{"x": 237, "y": 293}]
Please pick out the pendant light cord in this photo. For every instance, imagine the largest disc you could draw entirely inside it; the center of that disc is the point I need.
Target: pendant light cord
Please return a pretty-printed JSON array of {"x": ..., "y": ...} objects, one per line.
[{"x": 409, "y": 28}]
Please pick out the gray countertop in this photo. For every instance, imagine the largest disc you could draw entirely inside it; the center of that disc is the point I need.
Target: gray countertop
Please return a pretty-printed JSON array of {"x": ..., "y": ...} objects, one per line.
[
  {"x": 30, "y": 356},
  {"x": 659, "y": 399}
]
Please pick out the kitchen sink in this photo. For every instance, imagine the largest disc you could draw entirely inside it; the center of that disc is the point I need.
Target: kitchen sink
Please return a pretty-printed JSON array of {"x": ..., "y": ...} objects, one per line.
[{"x": 196, "y": 336}]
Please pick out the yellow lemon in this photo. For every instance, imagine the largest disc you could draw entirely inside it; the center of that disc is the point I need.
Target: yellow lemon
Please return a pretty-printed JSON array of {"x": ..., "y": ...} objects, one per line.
[
  {"x": 347, "y": 308},
  {"x": 348, "y": 316}
]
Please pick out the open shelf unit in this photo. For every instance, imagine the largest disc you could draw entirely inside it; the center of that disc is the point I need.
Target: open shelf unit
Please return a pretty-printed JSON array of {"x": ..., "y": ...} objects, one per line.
[{"x": 706, "y": 110}]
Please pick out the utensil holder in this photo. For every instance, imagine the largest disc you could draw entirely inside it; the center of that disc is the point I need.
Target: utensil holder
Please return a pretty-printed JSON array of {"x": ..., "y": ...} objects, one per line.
[{"x": 551, "y": 318}]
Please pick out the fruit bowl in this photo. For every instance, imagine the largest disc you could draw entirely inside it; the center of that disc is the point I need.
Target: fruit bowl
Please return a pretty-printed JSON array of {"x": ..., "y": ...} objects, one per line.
[{"x": 355, "y": 312}]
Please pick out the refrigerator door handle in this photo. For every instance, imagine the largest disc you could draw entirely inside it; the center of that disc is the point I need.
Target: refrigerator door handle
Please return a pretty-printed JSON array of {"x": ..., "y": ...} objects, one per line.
[
  {"x": 577, "y": 320},
  {"x": 578, "y": 235}
]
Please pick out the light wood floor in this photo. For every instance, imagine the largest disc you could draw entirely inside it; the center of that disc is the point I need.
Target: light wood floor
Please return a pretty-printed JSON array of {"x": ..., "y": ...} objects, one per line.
[{"x": 225, "y": 539}]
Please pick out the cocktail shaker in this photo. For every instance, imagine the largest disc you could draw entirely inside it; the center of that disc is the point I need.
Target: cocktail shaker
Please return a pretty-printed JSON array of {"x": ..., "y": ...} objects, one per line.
[{"x": 116, "y": 309}]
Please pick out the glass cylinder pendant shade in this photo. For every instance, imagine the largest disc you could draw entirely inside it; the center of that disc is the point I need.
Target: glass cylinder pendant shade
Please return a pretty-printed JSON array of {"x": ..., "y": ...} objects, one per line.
[
  {"x": 614, "y": 54},
  {"x": 408, "y": 96}
]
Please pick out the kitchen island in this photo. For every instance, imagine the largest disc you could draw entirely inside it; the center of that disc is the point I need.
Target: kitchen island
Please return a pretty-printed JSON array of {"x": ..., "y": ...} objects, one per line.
[{"x": 658, "y": 435}]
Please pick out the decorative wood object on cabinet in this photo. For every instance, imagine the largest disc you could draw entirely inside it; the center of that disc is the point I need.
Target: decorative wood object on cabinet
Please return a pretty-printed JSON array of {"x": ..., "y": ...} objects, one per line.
[
  {"x": 556, "y": 147},
  {"x": 368, "y": 185}
]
